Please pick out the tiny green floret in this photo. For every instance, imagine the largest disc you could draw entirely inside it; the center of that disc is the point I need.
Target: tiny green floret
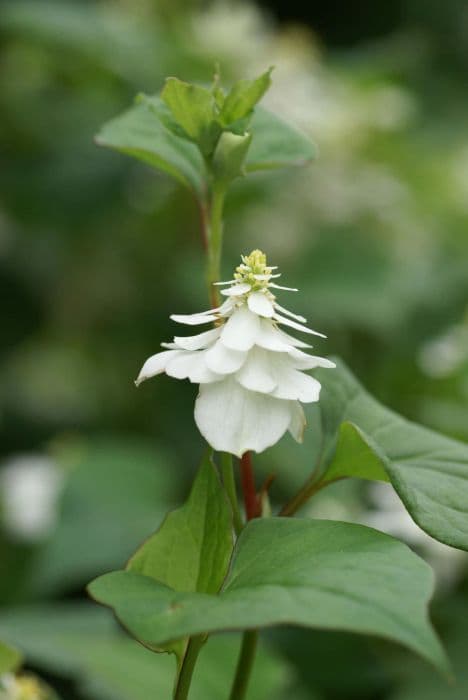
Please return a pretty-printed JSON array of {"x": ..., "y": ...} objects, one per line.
[{"x": 254, "y": 271}]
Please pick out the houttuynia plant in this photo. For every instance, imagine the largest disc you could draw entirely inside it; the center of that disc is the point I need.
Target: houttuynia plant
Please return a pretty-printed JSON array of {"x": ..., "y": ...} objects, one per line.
[{"x": 212, "y": 565}]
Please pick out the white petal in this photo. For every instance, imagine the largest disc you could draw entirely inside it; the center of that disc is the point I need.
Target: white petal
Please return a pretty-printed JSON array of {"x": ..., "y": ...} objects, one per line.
[
  {"x": 233, "y": 419},
  {"x": 297, "y": 326},
  {"x": 270, "y": 337},
  {"x": 191, "y": 365},
  {"x": 236, "y": 291},
  {"x": 263, "y": 278},
  {"x": 301, "y": 360},
  {"x": 257, "y": 373},
  {"x": 298, "y": 421},
  {"x": 197, "y": 342},
  {"x": 156, "y": 364},
  {"x": 194, "y": 319},
  {"x": 286, "y": 312},
  {"x": 286, "y": 289},
  {"x": 293, "y": 384},
  {"x": 260, "y": 304},
  {"x": 241, "y": 329},
  {"x": 224, "y": 360},
  {"x": 170, "y": 346},
  {"x": 295, "y": 342},
  {"x": 220, "y": 284}
]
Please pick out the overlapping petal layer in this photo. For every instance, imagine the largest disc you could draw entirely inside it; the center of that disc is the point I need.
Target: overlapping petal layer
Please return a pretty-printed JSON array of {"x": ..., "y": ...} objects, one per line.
[{"x": 250, "y": 371}]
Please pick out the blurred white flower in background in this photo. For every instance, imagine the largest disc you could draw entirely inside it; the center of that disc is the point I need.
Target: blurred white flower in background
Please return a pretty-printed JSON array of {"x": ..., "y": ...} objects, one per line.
[
  {"x": 250, "y": 371},
  {"x": 30, "y": 487},
  {"x": 445, "y": 355}
]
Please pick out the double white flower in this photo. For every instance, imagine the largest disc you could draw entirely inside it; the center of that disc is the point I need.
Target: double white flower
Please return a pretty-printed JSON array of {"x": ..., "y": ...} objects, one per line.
[{"x": 250, "y": 371}]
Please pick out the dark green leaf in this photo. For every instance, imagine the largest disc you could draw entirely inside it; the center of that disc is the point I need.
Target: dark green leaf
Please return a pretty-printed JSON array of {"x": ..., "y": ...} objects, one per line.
[
  {"x": 310, "y": 573},
  {"x": 428, "y": 471}
]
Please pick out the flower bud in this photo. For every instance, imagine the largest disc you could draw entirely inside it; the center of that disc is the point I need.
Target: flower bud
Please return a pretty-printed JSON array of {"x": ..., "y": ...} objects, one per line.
[{"x": 229, "y": 156}]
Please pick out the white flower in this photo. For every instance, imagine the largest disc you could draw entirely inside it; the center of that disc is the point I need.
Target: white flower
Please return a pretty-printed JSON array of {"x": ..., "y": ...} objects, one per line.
[
  {"x": 30, "y": 487},
  {"x": 250, "y": 371}
]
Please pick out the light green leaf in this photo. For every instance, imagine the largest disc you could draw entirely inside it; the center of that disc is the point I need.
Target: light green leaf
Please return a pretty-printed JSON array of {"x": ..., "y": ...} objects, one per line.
[
  {"x": 276, "y": 144},
  {"x": 139, "y": 132},
  {"x": 193, "y": 108},
  {"x": 82, "y": 642},
  {"x": 243, "y": 97},
  {"x": 143, "y": 132},
  {"x": 192, "y": 548},
  {"x": 10, "y": 658},
  {"x": 311, "y": 573},
  {"x": 429, "y": 471}
]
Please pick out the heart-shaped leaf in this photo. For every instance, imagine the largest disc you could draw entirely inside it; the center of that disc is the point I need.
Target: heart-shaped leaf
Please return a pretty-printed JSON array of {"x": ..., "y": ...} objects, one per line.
[
  {"x": 364, "y": 439},
  {"x": 313, "y": 573}
]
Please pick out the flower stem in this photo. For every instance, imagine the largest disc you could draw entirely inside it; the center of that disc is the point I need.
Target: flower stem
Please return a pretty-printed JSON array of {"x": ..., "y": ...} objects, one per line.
[
  {"x": 230, "y": 486},
  {"x": 310, "y": 488},
  {"x": 244, "y": 665},
  {"x": 188, "y": 664},
  {"x": 248, "y": 486},
  {"x": 215, "y": 239}
]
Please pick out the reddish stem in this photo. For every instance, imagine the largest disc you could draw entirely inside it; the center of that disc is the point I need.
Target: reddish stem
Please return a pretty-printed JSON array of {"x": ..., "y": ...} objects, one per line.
[{"x": 248, "y": 487}]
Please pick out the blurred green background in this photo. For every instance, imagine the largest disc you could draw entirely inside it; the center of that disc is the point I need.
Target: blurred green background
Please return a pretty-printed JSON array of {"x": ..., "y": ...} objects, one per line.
[{"x": 97, "y": 250}]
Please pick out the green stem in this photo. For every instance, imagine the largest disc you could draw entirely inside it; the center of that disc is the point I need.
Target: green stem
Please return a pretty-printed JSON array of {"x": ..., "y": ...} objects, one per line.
[
  {"x": 215, "y": 238},
  {"x": 244, "y": 665},
  {"x": 310, "y": 488},
  {"x": 184, "y": 678},
  {"x": 230, "y": 485}
]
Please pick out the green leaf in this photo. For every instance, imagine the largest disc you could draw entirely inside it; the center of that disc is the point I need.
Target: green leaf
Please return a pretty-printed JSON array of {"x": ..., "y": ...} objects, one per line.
[
  {"x": 140, "y": 132},
  {"x": 311, "y": 573},
  {"x": 193, "y": 108},
  {"x": 243, "y": 97},
  {"x": 82, "y": 642},
  {"x": 192, "y": 548},
  {"x": 146, "y": 132},
  {"x": 429, "y": 471},
  {"x": 276, "y": 144},
  {"x": 10, "y": 658}
]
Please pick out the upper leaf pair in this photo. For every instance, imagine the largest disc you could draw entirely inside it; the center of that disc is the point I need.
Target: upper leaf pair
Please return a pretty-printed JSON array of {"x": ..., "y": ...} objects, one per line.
[
  {"x": 202, "y": 114},
  {"x": 172, "y": 132}
]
